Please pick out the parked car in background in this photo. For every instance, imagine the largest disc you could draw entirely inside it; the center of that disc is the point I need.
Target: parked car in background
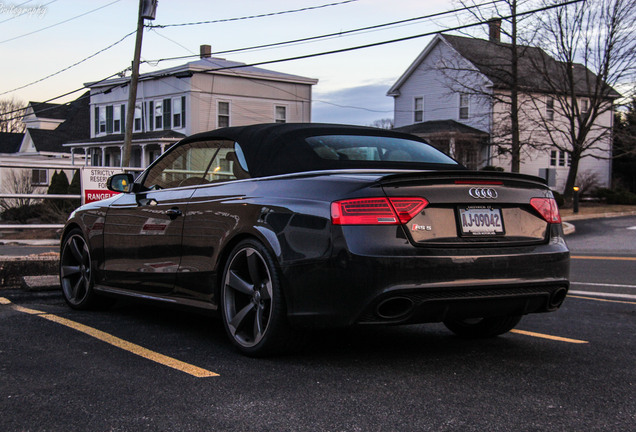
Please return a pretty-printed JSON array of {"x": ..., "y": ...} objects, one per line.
[{"x": 279, "y": 227}]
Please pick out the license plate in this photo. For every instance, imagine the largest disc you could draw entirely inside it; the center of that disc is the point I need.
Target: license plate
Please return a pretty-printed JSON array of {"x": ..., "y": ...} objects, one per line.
[{"x": 480, "y": 221}]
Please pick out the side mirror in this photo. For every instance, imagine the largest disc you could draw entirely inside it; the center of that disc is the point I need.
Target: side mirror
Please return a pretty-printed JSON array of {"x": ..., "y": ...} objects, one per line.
[{"x": 120, "y": 183}]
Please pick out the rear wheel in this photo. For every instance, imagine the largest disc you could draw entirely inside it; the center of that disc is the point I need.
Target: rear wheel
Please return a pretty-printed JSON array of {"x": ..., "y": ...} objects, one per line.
[
  {"x": 482, "y": 327},
  {"x": 253, "y": 308},
  {"x": 76, "y": 273}
]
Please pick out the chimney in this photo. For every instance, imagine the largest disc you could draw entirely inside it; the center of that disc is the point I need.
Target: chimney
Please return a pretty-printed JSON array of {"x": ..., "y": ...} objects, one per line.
[
  {"x": 205, "y": 51},
  {"x": 494, "y": 26}
]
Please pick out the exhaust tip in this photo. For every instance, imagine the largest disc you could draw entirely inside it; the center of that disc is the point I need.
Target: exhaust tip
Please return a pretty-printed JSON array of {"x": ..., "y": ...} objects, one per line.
[
  {"x": 558, "y": 297},
  {"x": 395, "y": 308}
]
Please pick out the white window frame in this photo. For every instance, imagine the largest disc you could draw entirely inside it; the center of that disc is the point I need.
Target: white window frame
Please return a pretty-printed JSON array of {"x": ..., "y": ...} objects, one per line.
[
  {"x": 219, "y": 115},
  {"x": 418, "y": 109},
  {"x": 117, "y": 119},
  {"x": 584, "y": 105},
  {"x": 39, "y": 182},
  {"x": 464, "y": 106},
  {"x": 157, "y": 115},
  {"x": 102, "y": 120},
  {"x": 549, "y": 108},
  {"x": 138, "y": 116},
  {"x": 283, "y": 118},
  {"x": 177, "y": 113}
]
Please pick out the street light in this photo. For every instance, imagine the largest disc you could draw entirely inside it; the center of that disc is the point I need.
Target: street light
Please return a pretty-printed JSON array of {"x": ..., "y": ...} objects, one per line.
[{"x": 575, "y": 204}]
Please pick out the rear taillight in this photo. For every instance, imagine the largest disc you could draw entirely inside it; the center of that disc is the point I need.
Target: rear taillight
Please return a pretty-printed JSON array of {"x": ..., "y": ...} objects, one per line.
[
  {"x": 547, "y": 208},
  {"x": 376, "y": 211}
]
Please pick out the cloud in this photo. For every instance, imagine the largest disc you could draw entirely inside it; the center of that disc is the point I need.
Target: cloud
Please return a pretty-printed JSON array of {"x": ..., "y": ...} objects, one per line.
[{"x": 355, "y": 105}]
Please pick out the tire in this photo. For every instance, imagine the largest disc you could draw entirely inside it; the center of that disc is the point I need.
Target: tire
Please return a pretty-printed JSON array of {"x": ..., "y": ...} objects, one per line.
[
  {"x": 482, "y": 327},
  {"x": 252, "y": 304},
  {"x": 76, "y": 273}
]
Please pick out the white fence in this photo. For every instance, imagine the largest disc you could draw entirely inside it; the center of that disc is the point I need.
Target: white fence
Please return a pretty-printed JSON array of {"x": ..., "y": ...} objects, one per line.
[{"x": 39, "y": 196}]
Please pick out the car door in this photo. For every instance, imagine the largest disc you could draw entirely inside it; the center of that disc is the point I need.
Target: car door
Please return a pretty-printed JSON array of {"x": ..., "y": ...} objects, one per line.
[{"x": 143, "y": 230}]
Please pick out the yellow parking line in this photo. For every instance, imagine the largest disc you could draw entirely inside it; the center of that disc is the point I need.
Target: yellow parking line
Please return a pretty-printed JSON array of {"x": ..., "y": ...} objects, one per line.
[
  {"x": 582, "y": 257},
  {"x": 115, "y": 341},
  {"x": 600, "y": 299},
  {"x": 545, "y": 336}
]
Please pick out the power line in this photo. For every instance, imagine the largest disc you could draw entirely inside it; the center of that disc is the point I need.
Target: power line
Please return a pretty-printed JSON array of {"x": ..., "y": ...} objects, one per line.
[
  {"x": 71, "y": 66},
  {"x": 61, "y": 22},
  {"x": 253, "y": 16},
  {"x": 67, "y": 94},
  {"x": 335, "y": 34},
  {"x": 386, "y": 42}
]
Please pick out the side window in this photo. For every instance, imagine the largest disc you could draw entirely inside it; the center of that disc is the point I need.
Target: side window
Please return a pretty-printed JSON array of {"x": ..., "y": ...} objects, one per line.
[{"x": 193, "y": 163}]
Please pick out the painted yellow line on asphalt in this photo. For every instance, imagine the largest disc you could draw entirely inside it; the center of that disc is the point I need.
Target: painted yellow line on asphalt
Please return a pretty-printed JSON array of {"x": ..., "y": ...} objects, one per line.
[
  {"x": 583, "y": 257},
  {"x": 545, "y": 336},
  {"x": 601, "y": 300},
  {"x": 115, "y": 341}
]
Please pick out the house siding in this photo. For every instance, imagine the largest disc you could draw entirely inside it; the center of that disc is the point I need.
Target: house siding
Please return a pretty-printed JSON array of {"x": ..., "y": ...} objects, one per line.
[{"x": 433, "y": 81}]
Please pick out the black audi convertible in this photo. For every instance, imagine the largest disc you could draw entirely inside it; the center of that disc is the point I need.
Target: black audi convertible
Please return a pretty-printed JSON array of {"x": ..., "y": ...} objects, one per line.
[{"x": 280, "y": 227}]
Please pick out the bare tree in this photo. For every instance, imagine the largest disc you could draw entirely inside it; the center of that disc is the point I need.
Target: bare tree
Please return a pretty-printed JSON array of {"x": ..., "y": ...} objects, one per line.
[
  {"x": 17, "y": 181},
  {"x": 10, "y": 111},
  {"x": 502, "y": 64},
  {"x": 385, "y": 123},
  {"x": 595, "y": 51}
]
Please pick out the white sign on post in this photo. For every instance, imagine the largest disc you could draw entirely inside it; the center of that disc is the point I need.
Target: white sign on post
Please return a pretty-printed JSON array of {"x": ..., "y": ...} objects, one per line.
[{"x": 94, "y": 183}]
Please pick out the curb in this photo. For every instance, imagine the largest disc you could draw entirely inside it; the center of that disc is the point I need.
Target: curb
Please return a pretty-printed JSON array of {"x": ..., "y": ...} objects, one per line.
[{"x": 568, "y": 228}]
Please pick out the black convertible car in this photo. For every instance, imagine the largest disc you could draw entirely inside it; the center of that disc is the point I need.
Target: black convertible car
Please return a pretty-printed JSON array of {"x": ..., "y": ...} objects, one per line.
[{"x": 284, "y": 226}]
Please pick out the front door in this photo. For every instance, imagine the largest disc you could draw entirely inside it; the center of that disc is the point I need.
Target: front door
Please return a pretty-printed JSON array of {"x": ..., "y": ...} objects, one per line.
[{"x": 143, "y": 230}]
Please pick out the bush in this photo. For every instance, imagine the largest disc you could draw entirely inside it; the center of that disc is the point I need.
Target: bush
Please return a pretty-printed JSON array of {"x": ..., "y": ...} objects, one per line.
[{"x": 618, "y": 196}]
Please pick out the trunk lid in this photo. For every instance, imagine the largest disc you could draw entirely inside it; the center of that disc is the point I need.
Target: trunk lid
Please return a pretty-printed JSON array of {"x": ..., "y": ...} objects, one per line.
[{"x": 473, "y": 208}]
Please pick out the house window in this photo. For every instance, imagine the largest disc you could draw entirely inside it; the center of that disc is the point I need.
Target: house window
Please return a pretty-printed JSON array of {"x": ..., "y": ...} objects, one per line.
[
  {"x": 39, "y": 177},
  {"x": 281, "y": 114},
  {"x": 223, "y": 114},
  {"x": 463, "y": 106},
  {"x": 102, "y": 119},
  {"x": 158, "y": 114},
  {"x": 561, "y": 158},
  {"x": 419, "y": 110},
  {"x": 553, "y": 158},
  {"x": 584, "y": 105},
  {"x": 549, "y": 108},
  {"x": 178, "y": 112},
  {"x": 117, "y": 118},
  {"x": 138, "y": 123}
]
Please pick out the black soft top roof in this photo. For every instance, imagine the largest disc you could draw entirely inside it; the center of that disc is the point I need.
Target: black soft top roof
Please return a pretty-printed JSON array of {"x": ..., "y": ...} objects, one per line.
[{"x": 280, "y": 148}]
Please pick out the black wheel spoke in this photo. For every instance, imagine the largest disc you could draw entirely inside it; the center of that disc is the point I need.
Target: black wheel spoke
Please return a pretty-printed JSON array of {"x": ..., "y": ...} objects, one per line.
[
  {"x": 240, "y": 317},
  {"x": 70, "y": 270},
  {"x": 258, "y": 325},
  {"x": 238, "y": 284},
  {"x": 253, "y": 263},
  {"x": 75, "y": 250}
]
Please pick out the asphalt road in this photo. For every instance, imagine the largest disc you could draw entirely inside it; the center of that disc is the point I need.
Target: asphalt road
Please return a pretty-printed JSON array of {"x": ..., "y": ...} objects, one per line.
[{"x": 565, "y": 371}]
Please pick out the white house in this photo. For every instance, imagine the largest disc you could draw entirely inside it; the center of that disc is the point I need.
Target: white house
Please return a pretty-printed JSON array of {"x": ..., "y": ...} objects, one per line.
[
  {"x": 198, "y": 96},
  {"x": 48, "y": 127},
  {"x": 454, "y": 94}
]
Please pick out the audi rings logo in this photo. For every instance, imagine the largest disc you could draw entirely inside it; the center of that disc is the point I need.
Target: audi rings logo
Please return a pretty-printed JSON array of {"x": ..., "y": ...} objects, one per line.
[{"x": 483, "y": 193}]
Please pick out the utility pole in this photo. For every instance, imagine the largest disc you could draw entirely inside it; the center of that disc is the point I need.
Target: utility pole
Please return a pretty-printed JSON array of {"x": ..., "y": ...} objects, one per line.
[{"x": 147, "y": 10}]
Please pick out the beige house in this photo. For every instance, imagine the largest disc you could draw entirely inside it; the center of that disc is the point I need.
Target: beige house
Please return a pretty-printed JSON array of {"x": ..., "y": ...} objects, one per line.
[{"x": 172, "y": 103}]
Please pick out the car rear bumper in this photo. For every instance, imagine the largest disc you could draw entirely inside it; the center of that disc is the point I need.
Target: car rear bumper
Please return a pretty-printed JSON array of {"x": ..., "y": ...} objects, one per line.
[{"x": 351, "y": 288}]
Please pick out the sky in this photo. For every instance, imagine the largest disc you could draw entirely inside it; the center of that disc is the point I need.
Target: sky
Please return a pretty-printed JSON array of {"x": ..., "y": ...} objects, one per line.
[{"x": 42, "y": 37}]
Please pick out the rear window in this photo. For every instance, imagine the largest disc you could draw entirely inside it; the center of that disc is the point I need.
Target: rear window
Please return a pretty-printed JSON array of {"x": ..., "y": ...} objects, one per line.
[{"x": 375, "y": 149}]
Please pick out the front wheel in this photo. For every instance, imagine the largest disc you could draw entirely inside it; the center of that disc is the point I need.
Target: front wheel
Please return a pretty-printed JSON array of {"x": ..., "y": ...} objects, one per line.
[
  {"x": 253, "y": 309},
  {"x": 76, "y": 273},
  {"x": 482, "y": 327}
]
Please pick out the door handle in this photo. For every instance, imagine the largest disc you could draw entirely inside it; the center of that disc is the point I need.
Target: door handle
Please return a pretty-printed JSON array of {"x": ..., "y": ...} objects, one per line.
[{"x": 173, "y": 213}]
